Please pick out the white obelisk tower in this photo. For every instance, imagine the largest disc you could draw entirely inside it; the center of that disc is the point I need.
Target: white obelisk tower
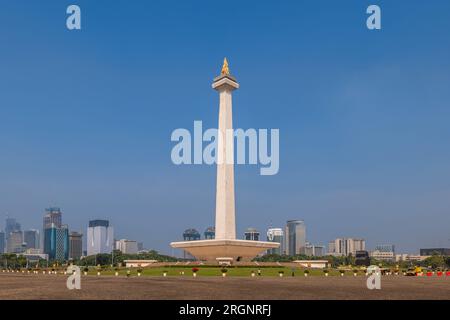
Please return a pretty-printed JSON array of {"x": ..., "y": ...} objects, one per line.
[
  {"x": 225, "y": 248},
  {"x": 225, "y": 84}
]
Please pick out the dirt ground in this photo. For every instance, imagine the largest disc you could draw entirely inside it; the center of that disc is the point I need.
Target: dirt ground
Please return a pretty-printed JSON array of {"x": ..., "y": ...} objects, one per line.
[{"x": 20, "y": 286}]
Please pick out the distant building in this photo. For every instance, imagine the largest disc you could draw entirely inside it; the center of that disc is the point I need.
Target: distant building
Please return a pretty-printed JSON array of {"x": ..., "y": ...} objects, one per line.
[
  {"x": 332, "y": 248},
  {"x": 362, "y": 258},
  {"x": 52, "y": 215},
  {"x": 210, "y": 233},
  {"x": 190, "y": 235},
  {"x": 62, "y": 243},
  {"x": 2, "y": 242},
  {"x": 31, "y": 238},
  {"x": 75, "y": 245},
  {"x": 100, "y": 237},
  {"x": 276, "y": 235},
  {"x": 34, "y": 251},
  {"x": 127, "y": 246},
  {"x": 140, "y": 246},
  {"x": 251, "y": 234},
  {"x": 15, "y": 242},
  {"x": 295, "y": 237},
  {"x": 439, "y": 251},
  {"x": 383, "y": 252},
  {"x": 385, "y": 248},
  {"x": 56, "y": 244},
  {"x": 34, "y": 255},
  {"x": 11, "y": 226},
  {"x": 314, "y": 250},
  {"x": 382, "y": 255},
  {"x": 52, "y": 220},
  {"x": 346, "y": 246},
  {"x": 409, "y": 257}
]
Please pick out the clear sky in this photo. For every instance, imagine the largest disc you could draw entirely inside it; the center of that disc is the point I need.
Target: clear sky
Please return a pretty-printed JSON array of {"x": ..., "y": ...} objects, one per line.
[{"x": 86, "y": 116}]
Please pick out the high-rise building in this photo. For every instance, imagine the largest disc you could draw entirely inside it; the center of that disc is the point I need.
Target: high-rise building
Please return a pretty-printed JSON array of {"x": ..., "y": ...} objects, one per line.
[
  {"x": 295, "y": 237},
  {"x": 251, "y": 234},
  {"x": 15, "y": 242},
  {"x": 31, "y": 239},
  {"x": 56, "y": 242},
  {"x": 313, "y": 250},
  {"x": 75, "y": 245},
  {"x": 52, "y": 215},
  {"x": 331, "y": 247},
  {"x": 346, "y": 246},
  {"x": 210, "y": 233},
  {"x": 127, "y": 246},
  {"x": 190, "y": 235},
  {"x": 100, "y": 237},
  {"x": 140, "y": 246},
  {"x": 2, "y": 242},
  {"x": 11, "y": 225},
  {"x": 276, "y": 235},
  {"x": 62, "y": 243},
  {"x": 52, "y": 219}
]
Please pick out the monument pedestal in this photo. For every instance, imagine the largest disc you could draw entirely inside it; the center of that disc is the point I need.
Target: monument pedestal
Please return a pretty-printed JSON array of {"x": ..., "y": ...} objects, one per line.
[{"x": 212, "y": 250}]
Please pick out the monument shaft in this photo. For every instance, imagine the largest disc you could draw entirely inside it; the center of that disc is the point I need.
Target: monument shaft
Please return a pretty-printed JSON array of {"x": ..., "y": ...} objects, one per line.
[{"x": 225, "y": 210}]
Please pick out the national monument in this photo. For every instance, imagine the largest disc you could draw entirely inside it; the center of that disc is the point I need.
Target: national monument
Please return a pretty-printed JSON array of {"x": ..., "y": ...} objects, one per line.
[{"x": 225, "y": 247}]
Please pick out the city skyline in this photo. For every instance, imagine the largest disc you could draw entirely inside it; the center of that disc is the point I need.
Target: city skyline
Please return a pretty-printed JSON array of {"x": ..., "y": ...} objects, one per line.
[
  {"x": 86, "y": 117},
  {"x": 307, "y": 244}
]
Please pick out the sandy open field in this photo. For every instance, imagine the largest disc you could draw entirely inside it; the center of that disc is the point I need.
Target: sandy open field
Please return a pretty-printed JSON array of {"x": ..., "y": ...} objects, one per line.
[{"x": 23, "y": 286}]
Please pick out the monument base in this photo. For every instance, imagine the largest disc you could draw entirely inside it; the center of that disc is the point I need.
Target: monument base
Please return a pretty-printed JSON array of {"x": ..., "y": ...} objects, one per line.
[{"x": 214, "y": 250}]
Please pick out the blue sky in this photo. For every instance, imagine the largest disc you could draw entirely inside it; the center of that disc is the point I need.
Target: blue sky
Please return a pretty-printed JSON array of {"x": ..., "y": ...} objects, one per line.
[{"x": 86, "y": 116}]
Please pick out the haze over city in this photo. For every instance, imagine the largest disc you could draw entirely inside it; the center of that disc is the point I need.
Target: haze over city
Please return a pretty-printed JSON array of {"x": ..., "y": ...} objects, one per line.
[{"x": 363, "y": 118}]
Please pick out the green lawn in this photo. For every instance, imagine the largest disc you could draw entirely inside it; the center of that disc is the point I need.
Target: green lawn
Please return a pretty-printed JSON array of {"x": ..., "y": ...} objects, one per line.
[{"x": 216, "y": 271}]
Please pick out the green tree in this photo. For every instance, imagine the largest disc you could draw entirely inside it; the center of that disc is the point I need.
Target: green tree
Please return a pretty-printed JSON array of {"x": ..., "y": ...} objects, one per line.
[
  {"x": 435, "y": 261},
  {"x": 447, "y": 261}
]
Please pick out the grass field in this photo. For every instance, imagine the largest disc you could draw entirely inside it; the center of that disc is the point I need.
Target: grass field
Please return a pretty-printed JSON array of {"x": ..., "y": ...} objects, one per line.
[{"x": 216, "y": 271}]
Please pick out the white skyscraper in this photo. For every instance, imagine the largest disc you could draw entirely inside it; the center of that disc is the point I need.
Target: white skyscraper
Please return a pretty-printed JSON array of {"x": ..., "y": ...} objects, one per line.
[
  {"x": 276, "y": 235},
  {"x": 295, "y": 237},
  {"x": 127, "y": 246},
  {"x": 346, "y": 246},
  {"x": 100, "y": 237}
]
